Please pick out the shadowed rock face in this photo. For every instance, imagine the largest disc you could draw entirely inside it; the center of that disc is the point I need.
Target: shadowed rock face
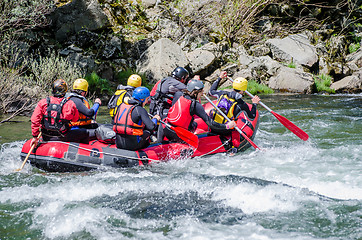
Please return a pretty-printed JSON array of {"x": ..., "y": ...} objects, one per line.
[
  {"x": 170, "y": 42},
  {"x": 76, "y": 16}
]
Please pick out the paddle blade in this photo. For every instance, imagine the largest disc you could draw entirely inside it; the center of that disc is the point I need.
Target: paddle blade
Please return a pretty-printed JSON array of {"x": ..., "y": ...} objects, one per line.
[
  {"x": 187, "y": 136},
  {"x": 291, "y": 126}
]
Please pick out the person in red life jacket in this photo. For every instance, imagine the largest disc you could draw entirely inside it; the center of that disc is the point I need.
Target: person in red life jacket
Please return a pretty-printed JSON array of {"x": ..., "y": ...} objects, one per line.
[
  {"x": 86, "y": 113},
  {"x": 185, "y": 105},
  {"x": 163, "y": 91},
  {"x": 123, "y": 93},
  {"x": 52, "y": 116},
  {"x": 132, "y": 124},
  {"x": 231, "y": 102}
]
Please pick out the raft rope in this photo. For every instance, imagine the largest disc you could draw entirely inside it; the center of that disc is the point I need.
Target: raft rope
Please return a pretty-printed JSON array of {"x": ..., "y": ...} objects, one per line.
[
  {"x": 134, "y": 158},
  {"x": 104, "y": 153}
]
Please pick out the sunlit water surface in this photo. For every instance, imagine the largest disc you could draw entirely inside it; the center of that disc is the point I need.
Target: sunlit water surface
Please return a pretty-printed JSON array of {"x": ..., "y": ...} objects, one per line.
[{"x": 289, "y": 190}]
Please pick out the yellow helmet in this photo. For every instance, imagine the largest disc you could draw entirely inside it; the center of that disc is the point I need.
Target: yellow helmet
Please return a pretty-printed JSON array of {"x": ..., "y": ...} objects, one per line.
[
  {"x": 80, "y": 84},
  {"x": 240, "y": 84},
  {"x": 134, "y": 80}
]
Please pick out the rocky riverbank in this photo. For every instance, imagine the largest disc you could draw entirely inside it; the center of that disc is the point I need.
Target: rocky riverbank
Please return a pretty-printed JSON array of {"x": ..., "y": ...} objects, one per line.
[{"x": 285, "y": 45}]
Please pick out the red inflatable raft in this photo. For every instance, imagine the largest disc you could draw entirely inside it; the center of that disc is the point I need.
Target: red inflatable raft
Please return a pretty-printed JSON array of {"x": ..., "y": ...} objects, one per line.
[{"x": 59, "y": 156}]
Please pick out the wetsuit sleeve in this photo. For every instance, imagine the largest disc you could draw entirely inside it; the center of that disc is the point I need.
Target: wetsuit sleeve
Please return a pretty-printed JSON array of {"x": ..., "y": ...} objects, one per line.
[
  {"x": 200, "y": 111},
  {"x": 141, "y": 113},
  {"x": 213, "y": 89},
  {"x": 36, "y": 118},
  {"x": 82, "y": 108},
  {"x": 243, "y": 106},
  {"x": 95, "y": 108}
]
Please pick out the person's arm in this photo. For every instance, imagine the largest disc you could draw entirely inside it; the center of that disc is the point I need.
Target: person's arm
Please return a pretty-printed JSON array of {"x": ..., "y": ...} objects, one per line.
[
  {"x": 143, "y": 115},
  {"x": 82, "y": 108},
  {"x": 242, "y": 106},
  {"x": 213, "y": 89},
  {"x": 97, "y": 103},
  {"x": 36, "y": 118},
  {"x": 70, "y": 111}
]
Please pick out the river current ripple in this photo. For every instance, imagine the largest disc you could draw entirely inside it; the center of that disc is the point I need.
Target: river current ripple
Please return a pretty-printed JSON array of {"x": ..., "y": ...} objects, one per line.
[{"x": 289, "y": 190}]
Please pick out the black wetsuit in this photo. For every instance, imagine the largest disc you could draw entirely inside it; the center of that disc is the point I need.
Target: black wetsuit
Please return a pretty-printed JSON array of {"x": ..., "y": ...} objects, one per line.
[{"x": 240, "y": 106}]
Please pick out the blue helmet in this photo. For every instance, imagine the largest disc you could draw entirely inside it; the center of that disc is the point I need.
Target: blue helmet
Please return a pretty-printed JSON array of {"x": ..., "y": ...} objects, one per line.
[{"x": 141, "y": 93}]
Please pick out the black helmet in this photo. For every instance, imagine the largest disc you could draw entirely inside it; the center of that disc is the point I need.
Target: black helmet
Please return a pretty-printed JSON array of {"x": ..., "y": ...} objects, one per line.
[
  {"x": 59, "y": 88},
  {"x": 180, "y": 74},
  {"x": 194, "y": 84}
]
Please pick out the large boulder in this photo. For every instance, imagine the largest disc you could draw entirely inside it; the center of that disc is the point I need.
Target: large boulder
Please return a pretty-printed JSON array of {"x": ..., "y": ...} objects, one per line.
[
  {"x": 349, "y": 84},
  {"x": 200, "y": 60},
  {"x": 294, "y": 48},
  {"x": 292, "y": 80},
  {"x": 160, "y": 59},
  {"x": 354, "y": 60},
  {"x": 76, "y": 16}
]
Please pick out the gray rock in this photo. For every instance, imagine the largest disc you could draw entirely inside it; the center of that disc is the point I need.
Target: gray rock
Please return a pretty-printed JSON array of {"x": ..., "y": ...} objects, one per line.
[
  {"x": 78, "y": 15},
  {"x": 349, "y": 84},
  {"x": 354, "y": 60},
  {"x": 294, "y": 48},
  {"x": 200, "y": 60},
  {"x": 160, "y": 59},
  {"x": 292, "y": 80}
]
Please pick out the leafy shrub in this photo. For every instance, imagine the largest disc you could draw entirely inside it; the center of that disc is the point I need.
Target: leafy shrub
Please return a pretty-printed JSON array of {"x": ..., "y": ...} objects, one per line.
[
  {"x": 97, "y": 85},
  {"x": 323, "y": 82},
  {"x": 353, "y": 47},
  {"x": 254, "y": 88},
  {"x": 45, "y": 70}
]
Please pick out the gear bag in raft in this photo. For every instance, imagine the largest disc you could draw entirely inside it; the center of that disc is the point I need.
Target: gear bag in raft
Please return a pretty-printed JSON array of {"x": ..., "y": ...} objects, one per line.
[{"x": 105, "y": 134}]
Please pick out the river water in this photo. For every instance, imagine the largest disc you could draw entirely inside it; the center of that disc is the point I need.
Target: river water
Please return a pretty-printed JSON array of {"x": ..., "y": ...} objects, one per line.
[{"x": 289, "y": 190}]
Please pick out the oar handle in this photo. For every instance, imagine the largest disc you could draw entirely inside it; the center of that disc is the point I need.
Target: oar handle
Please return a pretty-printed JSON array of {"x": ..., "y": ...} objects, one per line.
[
  {"x": 229, "y": 120},
  {"x": 260, "y": 102},
  {"x": 168, "y": 125}
]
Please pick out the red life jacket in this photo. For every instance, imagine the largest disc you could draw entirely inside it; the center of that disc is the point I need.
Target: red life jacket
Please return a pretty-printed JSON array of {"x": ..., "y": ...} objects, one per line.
[
  {"x": 179, "y": 114},
  {"x": 123, "y": 124}
]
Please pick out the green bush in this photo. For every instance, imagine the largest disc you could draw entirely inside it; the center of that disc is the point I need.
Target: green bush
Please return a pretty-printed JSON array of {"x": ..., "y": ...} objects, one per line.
[
  {"x": 255, "y": 88},
  {"x": 45, "y": 70},
  {"x": 98, "y": 85},
  {"x": 353, "y": 47},
  {"x": 323, "y": 82}
]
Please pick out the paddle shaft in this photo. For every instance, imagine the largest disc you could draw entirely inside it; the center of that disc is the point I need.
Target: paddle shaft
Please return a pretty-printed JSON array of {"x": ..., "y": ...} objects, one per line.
[
  {"x": 27, "y": 156},
  {"x": 236, "y": 127},
  {"x": 260, "y": 102},
  {"x": 283, "y": 120}
]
